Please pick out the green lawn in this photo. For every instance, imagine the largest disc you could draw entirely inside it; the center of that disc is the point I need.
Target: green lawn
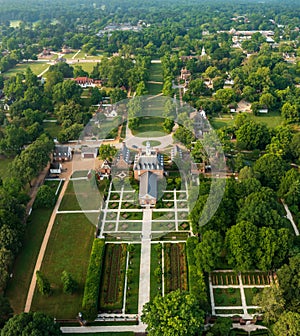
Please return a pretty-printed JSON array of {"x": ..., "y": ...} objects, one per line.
[
  {"x": 82, "y": 195},
  {"x": 24, "y": 265},
  {"x": 153, "y": 143},
  {"x": 271, "y": 119},
  {"x": 249, "y": 293},
  {"x": 156, "y": 73},
  {"x": 86, "y": 66},
  {"x": 14, "y": 23},
  {"x": 4, "y": 166},
  {"x": 36, "y": 66},
  {"x": 132, "y": 296},
  {"x": 68, "y": 249},
  {"x": 150, "y": 126},
  {"x": 52, "y": 128},
  {"x": 154, "y": 89}
]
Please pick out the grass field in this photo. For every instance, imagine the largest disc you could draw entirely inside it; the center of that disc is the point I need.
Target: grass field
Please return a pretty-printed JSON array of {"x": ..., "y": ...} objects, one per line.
[
  {"x": 271, "y": 119},
  {"x": 149, "y": 126},
  {"x": 24, "y": 265},
  {"x": 156, "y": 73},
  {"x": 86, "y": 66},
  {"x": 4, "y": 166},
  {"x": 132, "y": 296},
  {"x": 68, "y": 249},
  {"x": 82, "y": 195},
  {"x": 154, "y": 89},
  {"x": 52, "y": 128},
  {"x": 36, "y": 67}
]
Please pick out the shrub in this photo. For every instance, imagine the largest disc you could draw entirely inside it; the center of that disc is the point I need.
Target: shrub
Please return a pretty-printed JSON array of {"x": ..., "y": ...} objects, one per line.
[
  {"x": 91, "y": 290},
  {"x": 45, "y": 197},
  {"x": 43, "y": 283},
  {"x": 69, "y": 284},
  {"x": 254, "y": 290},
  {"x": 231, "y": 290}
]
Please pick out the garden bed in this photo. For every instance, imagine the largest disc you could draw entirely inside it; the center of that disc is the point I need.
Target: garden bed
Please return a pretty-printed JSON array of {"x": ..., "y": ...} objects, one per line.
[
  {"x": 130, "y": 226},
  {"x": 112, "y": 284},
  {"x": 224, "y": 278},
  {"x": 131, "y": 215},
  {"x": 163, "y": 226},
  {"x": 175, "y": 272},
  {"x": 155, "y": 271},
  {"x": 227, "y": 297},
  {"x": 250, "y": 293}
]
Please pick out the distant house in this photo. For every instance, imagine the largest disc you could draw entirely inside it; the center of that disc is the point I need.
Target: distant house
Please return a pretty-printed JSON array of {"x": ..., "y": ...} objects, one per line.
[
  {"x": 66, "y": 50},
  {"x": 122, "y": 160},
  {"x": 200, "y": 123},
  {"x": 89, "y": 152},
  {"x": 62, "y": 153},
  {"x": 110, "y": 113},
  {"x": 105, "y": 169},
  {"x": 263, "y": 110},
  {"x": 55, "y": 168},
  {"x": 84, "y": 82}
]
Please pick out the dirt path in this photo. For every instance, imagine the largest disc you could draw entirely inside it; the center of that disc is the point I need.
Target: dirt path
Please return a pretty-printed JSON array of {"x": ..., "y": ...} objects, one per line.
[
  {"x": 44, "y": 245},
  {"x": 34, "y": 189}
]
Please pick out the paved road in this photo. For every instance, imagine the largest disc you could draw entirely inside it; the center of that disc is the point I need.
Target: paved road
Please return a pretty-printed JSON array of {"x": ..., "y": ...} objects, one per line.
[{"x": 290, "y": 218}]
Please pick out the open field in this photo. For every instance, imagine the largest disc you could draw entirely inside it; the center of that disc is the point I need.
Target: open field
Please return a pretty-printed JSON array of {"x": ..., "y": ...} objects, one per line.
[
  {"x": 36, "y": 67},
  {"x": 86, "y": 66},
  {"x": 68, "y": 249},
  {"x": 52, "y": 128},
  {"x": 149, "y": 126},
  {"x": 24, "y": 265},
  {"x": 271, "y": 119},
  {"x": 156, "y": 72},
  {"x": 82, "y": 195},
  {"x": 154, "y": 89}
]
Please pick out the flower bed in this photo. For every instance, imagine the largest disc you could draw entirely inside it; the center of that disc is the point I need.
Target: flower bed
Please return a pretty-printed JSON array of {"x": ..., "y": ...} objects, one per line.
[
  {"x": 175, "y": 267},
  {"x": 111, "y": 295}
]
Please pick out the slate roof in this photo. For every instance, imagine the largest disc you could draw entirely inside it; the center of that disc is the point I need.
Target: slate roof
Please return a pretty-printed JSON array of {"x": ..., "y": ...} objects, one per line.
[{"x": 148, "y": 185}]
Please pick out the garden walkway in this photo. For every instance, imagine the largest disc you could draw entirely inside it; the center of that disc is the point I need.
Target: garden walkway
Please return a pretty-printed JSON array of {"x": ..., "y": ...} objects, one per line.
[
  {"x": 144, "y": 287},
  {"x": 43, "y": 246}
]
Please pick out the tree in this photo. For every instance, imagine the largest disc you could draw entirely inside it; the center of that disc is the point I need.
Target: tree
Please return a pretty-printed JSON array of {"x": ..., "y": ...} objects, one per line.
[
  {"x": 270, "y": 169},
  {"x": 290, "y": 113},
  {"x": 252, "y": 135},
  {"x": 288, "y": 324},
  {"x": 177, "y": 313},
  {"x": 208, "y": 251},
  {"x": 107, "y": 152},
  {"x": 31, "y": 324},
  {"x": 45, "y": 197},
  {"x": 226, "y": 96},
  {"x": 5, "y": 310},
  {"x": 221, "y": 327},
  {"x": 43, "y": 283},
  {"x": 288, "y": 277},
  {"x": 168, "y": 125},
  {"x": 241, "y": 240},
  {"x": 69, "y": 284},
  {"x": 271, "y": 303}
]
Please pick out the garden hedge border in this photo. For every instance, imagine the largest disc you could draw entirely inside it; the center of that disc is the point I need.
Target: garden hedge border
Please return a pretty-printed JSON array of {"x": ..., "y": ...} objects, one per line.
[{"x": 92, "y": 284}]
